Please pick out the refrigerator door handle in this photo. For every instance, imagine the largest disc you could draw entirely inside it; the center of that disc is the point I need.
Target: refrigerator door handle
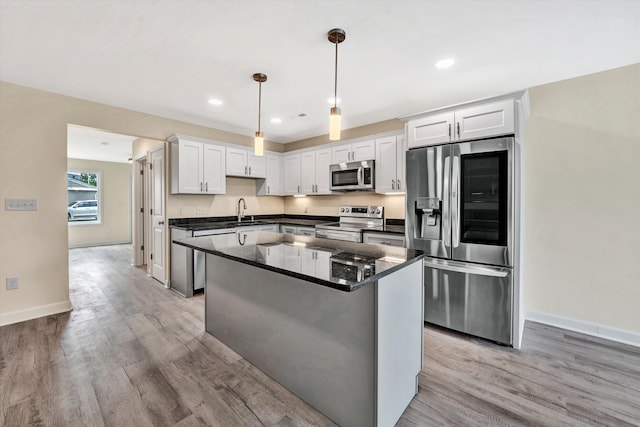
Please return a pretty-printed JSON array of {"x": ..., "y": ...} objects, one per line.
[
  {"x": 446, "y": 213},
  {"x": 455, "y": 201},
  {"x": 467, "y": 269}
]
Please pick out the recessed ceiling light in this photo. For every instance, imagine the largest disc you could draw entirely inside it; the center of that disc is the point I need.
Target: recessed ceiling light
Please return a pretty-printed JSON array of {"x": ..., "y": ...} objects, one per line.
[
  {"x": 104, "y": 143},
  {"x": 214, "y": 101},
  {"x": 276, "y": 120},
  {"x": 330, "y": 101},
  {"x": 445, "y": 63}
]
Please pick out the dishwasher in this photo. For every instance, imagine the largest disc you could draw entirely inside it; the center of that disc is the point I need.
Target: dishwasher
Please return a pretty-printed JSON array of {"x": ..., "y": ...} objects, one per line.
[{"x": 188, "y": 265}]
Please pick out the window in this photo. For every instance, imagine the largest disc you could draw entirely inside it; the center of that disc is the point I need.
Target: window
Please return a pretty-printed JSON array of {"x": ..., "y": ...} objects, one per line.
[{"x": 84, "y": 197}]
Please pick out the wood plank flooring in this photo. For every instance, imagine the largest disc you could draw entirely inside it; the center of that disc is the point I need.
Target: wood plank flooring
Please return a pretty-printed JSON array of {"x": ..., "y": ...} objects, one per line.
[{"x": 133, "y": 353}]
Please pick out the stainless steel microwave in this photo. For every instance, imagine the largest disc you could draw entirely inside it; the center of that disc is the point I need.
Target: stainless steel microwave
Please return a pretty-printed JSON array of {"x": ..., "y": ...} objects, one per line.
[{"x": 353, "y": 176}]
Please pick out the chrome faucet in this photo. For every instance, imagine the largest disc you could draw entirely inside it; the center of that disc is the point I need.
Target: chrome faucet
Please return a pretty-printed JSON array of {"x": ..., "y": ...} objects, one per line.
[{"x": 241, "y": 210}]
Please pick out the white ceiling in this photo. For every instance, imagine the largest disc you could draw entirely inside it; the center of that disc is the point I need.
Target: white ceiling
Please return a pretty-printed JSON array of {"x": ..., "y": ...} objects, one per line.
[
  {"x": 93, "y": 144},
  {"x": 169, "y": 57}
]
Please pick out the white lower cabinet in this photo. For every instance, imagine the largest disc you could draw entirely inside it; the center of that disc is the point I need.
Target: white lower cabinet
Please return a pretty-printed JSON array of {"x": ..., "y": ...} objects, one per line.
[
  {"x": 315, "y": 263},
  {"x": 274, "y": 228},
  {"x": 306, "y": 231},
  {"x": 298, "y": 230}
]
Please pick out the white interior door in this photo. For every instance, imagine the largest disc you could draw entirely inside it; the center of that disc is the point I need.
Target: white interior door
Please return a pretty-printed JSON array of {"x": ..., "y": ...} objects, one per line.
[
  {"x": 139, "y": 202},
  {"x": 157, "y": 173}
]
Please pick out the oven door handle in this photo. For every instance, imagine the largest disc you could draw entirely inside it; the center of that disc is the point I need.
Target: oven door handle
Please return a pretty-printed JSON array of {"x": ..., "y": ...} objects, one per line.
[
  {"x": 360, "y": 176},
  {"x": 328, "y": 234}
]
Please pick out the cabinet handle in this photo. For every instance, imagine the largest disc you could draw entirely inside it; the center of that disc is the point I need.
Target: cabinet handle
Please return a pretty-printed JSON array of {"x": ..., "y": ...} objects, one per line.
[
  {"x": 249, "y": 170},
  {"x": 458, "y": 126},
  {"x": 206, "y": 187},
  {"x": 245, "y": 170},
  {"x": 449, "y": 131},
  {"x": 298, "y": 189},
  {"x": 201, "y": 187},
  {"x": 393, "y": 184},
  {"x": 268, "y": 190},
  {"x": 398, "y": 185}
]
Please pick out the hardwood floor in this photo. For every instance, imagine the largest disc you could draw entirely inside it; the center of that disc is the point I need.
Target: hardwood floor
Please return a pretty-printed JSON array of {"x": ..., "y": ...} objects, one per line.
[{"x": 133, "y": 353}]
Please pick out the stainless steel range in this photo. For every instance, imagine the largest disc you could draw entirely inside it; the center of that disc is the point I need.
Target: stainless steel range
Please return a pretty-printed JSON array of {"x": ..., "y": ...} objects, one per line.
[{"x": 353, "y": 221}]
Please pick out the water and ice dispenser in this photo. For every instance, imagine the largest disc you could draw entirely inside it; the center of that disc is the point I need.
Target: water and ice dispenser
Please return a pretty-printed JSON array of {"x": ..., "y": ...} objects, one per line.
[{"x": 428, "y": 212}]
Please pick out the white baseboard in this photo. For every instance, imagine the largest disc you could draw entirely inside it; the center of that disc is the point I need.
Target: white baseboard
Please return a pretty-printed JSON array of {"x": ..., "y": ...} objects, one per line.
[
  {"x": 34, "y": 312},
  {"x": 89, "y": 245},
  {"x": 588, "y": 328}
]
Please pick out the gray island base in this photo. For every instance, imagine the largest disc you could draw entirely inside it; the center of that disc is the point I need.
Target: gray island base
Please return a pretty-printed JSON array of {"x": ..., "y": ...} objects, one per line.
[{"x": 353, "y": 352}]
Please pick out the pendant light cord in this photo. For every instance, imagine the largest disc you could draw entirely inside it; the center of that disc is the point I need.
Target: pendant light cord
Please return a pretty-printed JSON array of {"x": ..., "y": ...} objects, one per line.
[
  {"x": 335, "y": 89},
  {"x": 259, "y": 103}
]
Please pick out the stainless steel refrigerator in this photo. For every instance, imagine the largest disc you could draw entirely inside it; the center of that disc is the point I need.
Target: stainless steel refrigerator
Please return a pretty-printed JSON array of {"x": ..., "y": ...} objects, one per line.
[{"x": 461, "y": 210}]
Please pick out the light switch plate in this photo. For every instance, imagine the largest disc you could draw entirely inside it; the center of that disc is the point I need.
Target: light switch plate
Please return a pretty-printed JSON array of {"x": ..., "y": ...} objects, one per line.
[{"x": 20, "y": 204}]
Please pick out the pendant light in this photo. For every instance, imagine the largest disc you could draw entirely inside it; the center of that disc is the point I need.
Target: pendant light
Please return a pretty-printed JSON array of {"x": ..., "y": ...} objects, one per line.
[
  {"x": 259, "y": 139},
  {"x": 335, "y": 36}
]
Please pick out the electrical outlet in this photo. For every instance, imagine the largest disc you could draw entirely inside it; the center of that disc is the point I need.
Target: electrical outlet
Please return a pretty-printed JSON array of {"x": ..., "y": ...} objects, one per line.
[
  {"x": 20, "y": 204},
  {"x": 12, "y": 283}
]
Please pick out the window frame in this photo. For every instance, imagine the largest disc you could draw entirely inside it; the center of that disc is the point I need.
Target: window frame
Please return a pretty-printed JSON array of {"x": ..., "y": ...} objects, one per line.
[{"x": 100, "y": 186}]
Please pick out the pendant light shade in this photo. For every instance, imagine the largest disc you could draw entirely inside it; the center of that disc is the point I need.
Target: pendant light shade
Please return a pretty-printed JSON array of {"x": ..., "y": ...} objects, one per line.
[
  {"x": 335, "y": 36},
  {"x": 334, "y": 124},
  {"x": 258, "y": 142}
]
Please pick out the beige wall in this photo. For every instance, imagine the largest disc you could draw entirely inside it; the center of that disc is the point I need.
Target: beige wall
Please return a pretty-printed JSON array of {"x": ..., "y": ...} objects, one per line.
[
  {"x": 362, "y": 131},
  {"x": 33, "y": 138},
  {"x": 328, "y": 205},
  {"x": 582, "y": 199},
  {"x": 192, "y": 206},
  {"x": 116, "y": 211}
]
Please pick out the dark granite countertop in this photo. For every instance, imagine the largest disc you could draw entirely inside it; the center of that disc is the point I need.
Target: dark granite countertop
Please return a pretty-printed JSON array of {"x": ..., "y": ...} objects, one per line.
[
  {"x": 215, "y": 223},
  {"x": 289, "y": 255}
]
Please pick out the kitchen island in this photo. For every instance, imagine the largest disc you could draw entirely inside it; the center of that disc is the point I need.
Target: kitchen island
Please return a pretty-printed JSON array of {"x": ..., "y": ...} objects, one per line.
[{"x": 337, "y": 323}]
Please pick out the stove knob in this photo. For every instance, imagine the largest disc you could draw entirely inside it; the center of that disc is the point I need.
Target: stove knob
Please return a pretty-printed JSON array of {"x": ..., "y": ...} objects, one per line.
[
  {"x": 341, "y": 209},
  {"x": 377, "y": 210}
]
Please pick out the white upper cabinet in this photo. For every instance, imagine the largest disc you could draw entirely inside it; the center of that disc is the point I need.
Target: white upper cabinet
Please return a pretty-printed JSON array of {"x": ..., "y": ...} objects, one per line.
[
  {"x": 496, "y": 118},
  {"x": 310, "y": 175},
  {"x": 390, "y": 166},
  {"x": 188, "y": 172},
  {"x": 354, "y": 152},
  {"x": 323, "y": 174},
  {"x": 197, "y": 167},
  {"x": 478, "y": 121},
  {"x": 291, "y": 174},
  {"x": 242, "y": 162},
  {"x": 215, "y": 181},
  {"x": 308, "y": 168},
  {"x": 272, "y": 185},
  {"x": 432, "y": 129}
]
